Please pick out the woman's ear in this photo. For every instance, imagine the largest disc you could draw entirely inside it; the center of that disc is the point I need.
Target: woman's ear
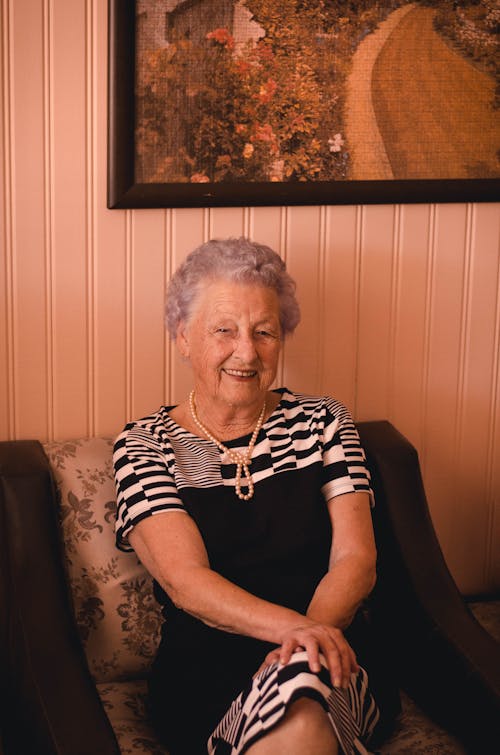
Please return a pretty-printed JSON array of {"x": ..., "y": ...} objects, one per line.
[{"x": 182, "y": 341}]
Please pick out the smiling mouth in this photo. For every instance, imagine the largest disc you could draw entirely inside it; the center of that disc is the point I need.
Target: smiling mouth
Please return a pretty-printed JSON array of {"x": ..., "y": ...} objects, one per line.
[{"x": 240, "y": 373}]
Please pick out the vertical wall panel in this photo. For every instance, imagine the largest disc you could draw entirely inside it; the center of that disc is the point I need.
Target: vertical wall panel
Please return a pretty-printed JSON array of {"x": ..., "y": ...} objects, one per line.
[
  {"x": 267, "y": 227},
  {"x": 303, "y": 349},
  {"x": 226, "y": 222},
  {"x": 109, "y": 267},
  {"x": 6, "y": 228},
  {"x": 5, "y": 327},
  {"x": 374, "y": 343},
  {"x": 147, "y": 305},
  {"x": 31, "y": 293},
  {"x": 69, "y": 261},
  {"x": 474, "y": 407},
  {"x": 341, "y": 303},
  {"x": 409, "y": 319},
  {"x": 190, "y": 229},
  {"x": 477, "y": 406},
  {"x": 401, "y": 304},
  {"x": 492, "y": 577},
  {"x": 444, "y": 366},
  {"x": 109, "y": 251},
  {"x": 488, "y": 228}
]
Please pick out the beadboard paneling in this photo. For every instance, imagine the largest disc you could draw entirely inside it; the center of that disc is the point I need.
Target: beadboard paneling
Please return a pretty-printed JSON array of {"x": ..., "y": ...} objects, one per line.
[
  {"x": 69, "y": 291},
  {"x": 410, "y": 321},
  {"x": 6, "y": 231},
  {"x": 341, "y": 302},
  {"x": 302, "y": 352},
  {"x": 375, "y": 310},
  {"x": 401, "y": 304}
]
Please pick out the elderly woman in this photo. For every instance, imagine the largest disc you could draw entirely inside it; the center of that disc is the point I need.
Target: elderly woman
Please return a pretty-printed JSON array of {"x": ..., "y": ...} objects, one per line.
[{"x": 250, "y": 507}]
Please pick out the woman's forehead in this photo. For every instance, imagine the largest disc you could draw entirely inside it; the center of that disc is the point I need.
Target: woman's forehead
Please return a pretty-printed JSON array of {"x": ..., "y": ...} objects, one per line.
[{"x": 233, "y": 298}]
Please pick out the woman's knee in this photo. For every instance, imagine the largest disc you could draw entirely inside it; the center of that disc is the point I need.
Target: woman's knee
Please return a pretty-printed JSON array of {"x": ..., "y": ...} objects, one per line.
[
  {"x": 305, "y": 712},
  {"x": 305, "y": 729}
]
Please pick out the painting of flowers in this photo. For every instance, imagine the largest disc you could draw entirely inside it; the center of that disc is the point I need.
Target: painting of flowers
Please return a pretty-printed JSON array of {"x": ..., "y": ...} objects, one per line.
[{"x": 315, "y": 92}]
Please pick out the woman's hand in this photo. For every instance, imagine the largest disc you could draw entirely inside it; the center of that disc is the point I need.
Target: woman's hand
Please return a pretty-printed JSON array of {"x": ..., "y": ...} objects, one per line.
[
  {"x": 317, "y": 639},
  {"x": 172, "y": 549}
]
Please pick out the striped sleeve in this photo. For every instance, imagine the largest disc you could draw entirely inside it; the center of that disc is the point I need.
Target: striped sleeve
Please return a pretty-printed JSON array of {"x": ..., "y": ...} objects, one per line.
[
  {"x": 344, "y": 464},
  {"x": 144, "y": 478}
]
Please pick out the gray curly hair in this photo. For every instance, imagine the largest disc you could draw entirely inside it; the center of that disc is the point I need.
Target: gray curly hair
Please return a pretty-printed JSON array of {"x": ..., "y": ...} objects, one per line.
[{"x": 238, "y": 260}]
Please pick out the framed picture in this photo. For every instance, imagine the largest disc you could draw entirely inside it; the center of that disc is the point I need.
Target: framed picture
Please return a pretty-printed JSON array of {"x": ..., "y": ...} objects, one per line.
[{"x": 260, "y": 102}]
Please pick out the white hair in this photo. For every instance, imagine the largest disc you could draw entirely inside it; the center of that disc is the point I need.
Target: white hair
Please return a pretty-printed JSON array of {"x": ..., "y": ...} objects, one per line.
[{"x": 238, "y": 260}]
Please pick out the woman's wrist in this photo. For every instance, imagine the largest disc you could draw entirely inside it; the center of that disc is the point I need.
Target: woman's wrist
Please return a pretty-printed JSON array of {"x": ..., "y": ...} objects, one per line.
[{"x": 339, "y": 619}]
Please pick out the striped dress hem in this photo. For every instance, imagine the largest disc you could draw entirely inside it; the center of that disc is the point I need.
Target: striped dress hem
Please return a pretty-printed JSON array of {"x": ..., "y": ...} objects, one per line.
[{"x": 353, "y": 712}]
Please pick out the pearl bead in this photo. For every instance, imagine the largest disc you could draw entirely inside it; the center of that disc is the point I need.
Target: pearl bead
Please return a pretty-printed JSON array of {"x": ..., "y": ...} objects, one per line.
[{"x": 242, "y": 461}]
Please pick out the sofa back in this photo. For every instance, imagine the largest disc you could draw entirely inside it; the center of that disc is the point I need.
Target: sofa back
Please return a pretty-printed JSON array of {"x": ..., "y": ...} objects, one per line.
[{"x": 117, "y": 615}]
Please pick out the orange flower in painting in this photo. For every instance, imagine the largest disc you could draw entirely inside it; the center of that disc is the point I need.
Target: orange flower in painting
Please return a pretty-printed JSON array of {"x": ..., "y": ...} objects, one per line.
[
  {"x": 223, "y": 161},
  {"x": 265, "y": 133},
  {"x": 265, "y": 53},
  {"x": 267, "y": 91},
  {"x": 248, "y": 151},
  {"x": 199, "y": 178},
  {"x": 222, "y": 36},
  {"x": 298, "y": 122},
  {"x": 243, "y": 67}
]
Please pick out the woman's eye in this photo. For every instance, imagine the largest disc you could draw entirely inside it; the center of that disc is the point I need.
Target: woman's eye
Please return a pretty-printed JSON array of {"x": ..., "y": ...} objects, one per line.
[{"x": 265, "y": 334}]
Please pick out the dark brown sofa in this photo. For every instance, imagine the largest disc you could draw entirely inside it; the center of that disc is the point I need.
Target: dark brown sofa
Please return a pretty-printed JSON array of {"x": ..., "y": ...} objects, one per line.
[{"x": 57, "y": 698}]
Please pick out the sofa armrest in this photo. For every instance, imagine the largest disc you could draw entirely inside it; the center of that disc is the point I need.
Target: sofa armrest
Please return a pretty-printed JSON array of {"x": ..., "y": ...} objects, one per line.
[
  {"x": 446, "y": 661},
  {"x": 51, "y": 702}
]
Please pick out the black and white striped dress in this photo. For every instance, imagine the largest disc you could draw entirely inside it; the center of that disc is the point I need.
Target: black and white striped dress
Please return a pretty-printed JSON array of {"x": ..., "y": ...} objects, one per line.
[
  {"x": 353, "y": 712},
  {"x": 204, "y": 691}
]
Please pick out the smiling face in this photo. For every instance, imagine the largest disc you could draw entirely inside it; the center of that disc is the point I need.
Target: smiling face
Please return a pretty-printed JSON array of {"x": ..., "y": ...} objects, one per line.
[{"x": 233, "y": 341}]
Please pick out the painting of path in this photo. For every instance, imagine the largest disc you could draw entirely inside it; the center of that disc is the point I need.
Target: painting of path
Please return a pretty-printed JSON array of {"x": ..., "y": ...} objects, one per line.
[
  {"x": 427, "y": 110},
  {"x": 311, "y": 90}
]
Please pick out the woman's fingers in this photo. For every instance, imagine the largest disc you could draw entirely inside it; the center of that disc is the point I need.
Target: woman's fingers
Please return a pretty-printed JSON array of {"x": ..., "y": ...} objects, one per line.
[
  {"x": 287, "y": 649},
  {"x": 327, "y": 641},
  {"x": 339, "y": 661},
  {"x": 313, "y": 650},
  {"x": 320, "y": 642}
]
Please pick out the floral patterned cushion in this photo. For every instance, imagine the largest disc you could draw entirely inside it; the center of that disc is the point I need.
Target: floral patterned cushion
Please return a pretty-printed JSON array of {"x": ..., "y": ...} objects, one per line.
[
  {"x": 415, "y": 733},
  {"x": 118, "y": 618},
  {"x": 125, "y": 705},
  {"x": 487, "y": 612}
]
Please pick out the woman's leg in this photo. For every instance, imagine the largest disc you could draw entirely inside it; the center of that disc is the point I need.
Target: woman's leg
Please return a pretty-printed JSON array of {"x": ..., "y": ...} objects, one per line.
[{"x": 305, "y": 729}]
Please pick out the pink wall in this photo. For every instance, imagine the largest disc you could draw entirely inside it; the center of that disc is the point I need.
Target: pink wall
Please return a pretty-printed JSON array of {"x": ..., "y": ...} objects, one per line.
[{"x": 401, "y": 305}]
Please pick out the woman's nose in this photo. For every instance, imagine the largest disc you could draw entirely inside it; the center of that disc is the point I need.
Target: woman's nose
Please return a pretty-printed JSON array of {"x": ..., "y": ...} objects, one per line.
[{"x": 245, "y": 348}]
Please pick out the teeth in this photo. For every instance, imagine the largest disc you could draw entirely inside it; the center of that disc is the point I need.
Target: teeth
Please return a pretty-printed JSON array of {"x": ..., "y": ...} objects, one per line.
[{"x": 241, "y": 373}]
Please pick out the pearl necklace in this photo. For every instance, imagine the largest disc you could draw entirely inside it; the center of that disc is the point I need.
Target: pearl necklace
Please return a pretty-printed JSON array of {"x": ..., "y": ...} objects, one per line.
[{"x": 242, "y": 461}]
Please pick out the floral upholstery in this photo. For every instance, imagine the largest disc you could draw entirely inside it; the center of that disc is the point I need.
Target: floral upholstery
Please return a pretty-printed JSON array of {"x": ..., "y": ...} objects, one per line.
[
  {"x": 117, "y": 616},
  {"x": 119, "y": 620},
  {"x": 125, "y": 705},
  {"x": 416, "y": 734},
  {"x": 487, "y": 612}
]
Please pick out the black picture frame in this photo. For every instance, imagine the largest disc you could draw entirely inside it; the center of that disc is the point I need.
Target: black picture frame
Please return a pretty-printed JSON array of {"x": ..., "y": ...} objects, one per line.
[{"x": 124, "y": 192}]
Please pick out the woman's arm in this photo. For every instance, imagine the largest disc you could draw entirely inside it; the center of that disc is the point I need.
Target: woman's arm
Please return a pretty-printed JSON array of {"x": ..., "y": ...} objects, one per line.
[
  {"x": 171, "y": 548},
  {"x": 351, "y": 575}
]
